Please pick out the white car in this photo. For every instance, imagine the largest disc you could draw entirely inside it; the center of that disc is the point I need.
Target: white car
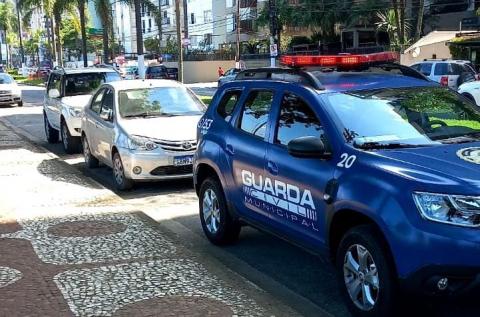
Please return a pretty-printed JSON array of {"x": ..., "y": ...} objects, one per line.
[
  {"x": 144, "y": 129},
  {"x": 68, "y": 92},
  {"x": 10, "y": 92},
  {"x": 471, "y": 91},
  {"x": 449, "y": 73}
]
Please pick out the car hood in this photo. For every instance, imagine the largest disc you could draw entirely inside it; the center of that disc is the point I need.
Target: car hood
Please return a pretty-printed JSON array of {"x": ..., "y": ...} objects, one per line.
[
  {"x": 178, "y": 128},
  {"x": 453, "y": 164},
  {"x": 78, "y": 102},
  {"x": 469, "y": 85},
  {"x": 9, "y": 87}
]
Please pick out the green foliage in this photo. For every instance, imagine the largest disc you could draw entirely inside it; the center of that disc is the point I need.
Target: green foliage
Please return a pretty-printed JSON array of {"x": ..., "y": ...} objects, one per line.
[
  {"x": 171, "y": 47},
  {"x": 457, "y": 51},
  {"x": 152, "y": 45}
]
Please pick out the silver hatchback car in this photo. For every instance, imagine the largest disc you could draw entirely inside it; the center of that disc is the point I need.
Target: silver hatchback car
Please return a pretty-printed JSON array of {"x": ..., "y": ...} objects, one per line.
[{"x": 144, "y": 129}]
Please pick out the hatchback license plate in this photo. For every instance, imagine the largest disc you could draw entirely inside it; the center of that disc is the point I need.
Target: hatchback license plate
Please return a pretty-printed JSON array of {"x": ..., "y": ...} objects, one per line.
[{"x": 183, "y": 160}]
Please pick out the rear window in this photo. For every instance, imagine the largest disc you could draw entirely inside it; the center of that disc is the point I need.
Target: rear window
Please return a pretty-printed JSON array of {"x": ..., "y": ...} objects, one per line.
[
  {"x": 441, "y": 69},
  {"x": 157, "y": 70},
  {"x": 87, "y": 83},
  {"x": 426, "y": 68}
]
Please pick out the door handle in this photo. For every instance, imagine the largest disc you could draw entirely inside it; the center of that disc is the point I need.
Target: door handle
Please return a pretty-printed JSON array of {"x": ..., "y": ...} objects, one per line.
[
  {"x": 229, "y": 149},
  {"x": 272, "y": 168}
]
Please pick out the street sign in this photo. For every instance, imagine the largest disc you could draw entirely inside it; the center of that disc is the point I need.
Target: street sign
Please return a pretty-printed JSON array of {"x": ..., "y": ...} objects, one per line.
[
  {"x": 273, "y": 50},
  {"x": 185, "y": 41}
]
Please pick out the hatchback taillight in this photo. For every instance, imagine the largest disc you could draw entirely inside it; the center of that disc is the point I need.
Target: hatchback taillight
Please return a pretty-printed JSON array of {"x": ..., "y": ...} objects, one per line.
[{"x": 444, "y": 81}]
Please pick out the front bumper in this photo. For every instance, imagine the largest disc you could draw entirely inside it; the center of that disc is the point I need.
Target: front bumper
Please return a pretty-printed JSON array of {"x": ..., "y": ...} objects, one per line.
[
  {"x": 154, "y": 165},
  {"x": 428, "y": 280},
  {"x": 9, "y": 99},
  {"x": 74, "y": 125}
]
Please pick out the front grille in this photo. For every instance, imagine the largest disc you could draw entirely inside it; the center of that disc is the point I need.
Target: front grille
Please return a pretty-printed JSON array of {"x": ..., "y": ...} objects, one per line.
[
  {"x": 177, "y": 146},
  {"x": 172, "y": 170}
]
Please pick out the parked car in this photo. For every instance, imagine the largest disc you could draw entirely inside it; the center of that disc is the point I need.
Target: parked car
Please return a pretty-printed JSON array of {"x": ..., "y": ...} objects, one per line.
[
  {"x": 67, "y": 93},
  {"x": 376, "y": 169},
  {"x": 10, "y": 92},
  {"x": 172, "y": 73},
  {"x": 228, "y": 76},
  {"x": 144, "y": 129},
  {"x": 451, "y": 73},
  {"x": 156, "y": 72}
]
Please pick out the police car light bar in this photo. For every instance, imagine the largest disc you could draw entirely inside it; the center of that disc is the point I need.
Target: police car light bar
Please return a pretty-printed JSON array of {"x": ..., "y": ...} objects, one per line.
[{"x": 343, "y": 60}]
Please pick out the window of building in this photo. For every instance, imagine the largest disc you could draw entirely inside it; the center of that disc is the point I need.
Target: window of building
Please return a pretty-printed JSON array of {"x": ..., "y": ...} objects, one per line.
[
  {"x": 207, "y": 16},
  {"x": 143, "y": 26},
  {"x": 255, "y": 113},
  {"x": 230, "y": 22},
  {"x": 192, "y": 18},
  {"x": 149, "y": 25}
]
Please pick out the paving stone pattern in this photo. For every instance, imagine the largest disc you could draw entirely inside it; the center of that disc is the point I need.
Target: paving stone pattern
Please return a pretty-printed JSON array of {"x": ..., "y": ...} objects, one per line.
[{"x": 8, "y": 276}]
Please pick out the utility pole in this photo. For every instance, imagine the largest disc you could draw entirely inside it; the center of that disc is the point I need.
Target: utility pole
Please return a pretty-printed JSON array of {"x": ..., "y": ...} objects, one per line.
[
  {"x": 237, "y": 18},
  {"x": 273, "y": 29},
  {"x": 138, "y": 27},
  {"x": 179, "y": 41},
  {"x": 185, "y": 22}
]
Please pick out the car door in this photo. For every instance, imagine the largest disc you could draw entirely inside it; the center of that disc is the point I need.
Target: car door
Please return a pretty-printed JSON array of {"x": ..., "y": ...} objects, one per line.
[
  {"x": 246, "y": 147},
  {"x": 105, "y": 127},
  {"x": 53, "y": 105},
  {"x": 92, "y": 118},
  {"x": 297, "y": 202}
]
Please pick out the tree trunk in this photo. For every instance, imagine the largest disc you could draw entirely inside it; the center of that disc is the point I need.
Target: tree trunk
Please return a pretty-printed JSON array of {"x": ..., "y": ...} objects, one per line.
[
  {"x": 397, "y": 20},
  {"x": 418, "y": 31},
  {"x": 81, "y": 9},
  {"x": 159, "y": 22},
  {"x": 138, "y": 27},
  {"x": 58, "y": 43},
  {"x": 402, "y": 24},
  {"x": 105, "y": 44},
  {"x": 1, "y": 44}
]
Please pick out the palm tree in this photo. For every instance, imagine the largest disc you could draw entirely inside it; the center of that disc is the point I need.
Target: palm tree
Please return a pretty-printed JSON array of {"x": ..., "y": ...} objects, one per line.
[
  {"x": 81, "y": 11},
  {"x": 59, "y": 8},
  {"x": 103, "y": 8},
  {"x": 7, "y": 21}
]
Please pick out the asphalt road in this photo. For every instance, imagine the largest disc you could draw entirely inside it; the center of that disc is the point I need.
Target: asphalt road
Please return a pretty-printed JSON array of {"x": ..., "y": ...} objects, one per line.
[{"x": 265, "y": 260}]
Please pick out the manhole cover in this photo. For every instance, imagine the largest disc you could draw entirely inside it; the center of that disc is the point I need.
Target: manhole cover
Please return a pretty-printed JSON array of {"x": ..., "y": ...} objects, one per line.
[{"x": 86, "y": 228}]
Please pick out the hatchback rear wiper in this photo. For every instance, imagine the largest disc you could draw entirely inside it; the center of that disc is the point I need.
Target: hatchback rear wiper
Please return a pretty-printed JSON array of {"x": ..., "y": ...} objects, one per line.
[{"x": 389, "y": 145}]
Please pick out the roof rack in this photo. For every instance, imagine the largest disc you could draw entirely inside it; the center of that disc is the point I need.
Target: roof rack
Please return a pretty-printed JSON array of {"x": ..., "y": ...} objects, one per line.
[{"x": 280, "y": 73}]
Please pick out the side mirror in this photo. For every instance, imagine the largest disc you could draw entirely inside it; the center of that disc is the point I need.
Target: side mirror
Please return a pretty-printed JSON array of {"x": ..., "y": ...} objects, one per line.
[
  {"x": 308, "y": 147},
  {"x": 53, "y": 93}
]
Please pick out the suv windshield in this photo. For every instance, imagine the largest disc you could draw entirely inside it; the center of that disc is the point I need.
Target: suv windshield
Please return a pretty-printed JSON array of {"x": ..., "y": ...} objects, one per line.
[
  {"x": 158, "y": 101},
  {"x": 87, "y": 83},
  {"x": 405, "y": 116}
]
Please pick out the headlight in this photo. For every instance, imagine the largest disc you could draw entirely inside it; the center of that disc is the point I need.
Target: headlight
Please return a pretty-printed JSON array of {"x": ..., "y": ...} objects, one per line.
[
  {"x": 74, "y": 112},
  {"x": 451, "y": 209},
  {"x": 141, "y": 143}
]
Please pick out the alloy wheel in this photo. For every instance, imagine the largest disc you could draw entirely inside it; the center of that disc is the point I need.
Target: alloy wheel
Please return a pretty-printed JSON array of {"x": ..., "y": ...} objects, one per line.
[
  {"x": 211, "y": 211},
  {"x": 118, "y": 170},
  {"x": 361, "y": 277}
]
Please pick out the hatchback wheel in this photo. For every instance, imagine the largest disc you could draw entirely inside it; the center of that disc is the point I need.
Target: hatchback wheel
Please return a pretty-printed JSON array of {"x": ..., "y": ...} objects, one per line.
[
  {"x": 70, "y": 144},
  {"x": 50, "y": 133},
  {"x": 119, "y": 178},
  {"x": 365, "y": 273},
  {"x": 90, "y": 160},
  {"x": 218, "y": 225}
]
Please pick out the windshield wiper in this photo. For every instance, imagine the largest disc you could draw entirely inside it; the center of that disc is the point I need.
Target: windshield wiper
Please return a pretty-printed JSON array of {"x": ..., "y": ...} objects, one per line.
[
  {"x": 146, "y": 115},
  {"x": 384, "y": 145}
]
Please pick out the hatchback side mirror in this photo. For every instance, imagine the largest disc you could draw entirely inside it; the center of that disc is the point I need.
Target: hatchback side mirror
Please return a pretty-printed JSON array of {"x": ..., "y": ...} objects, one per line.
[
  {"x": 53, "y": 93},
  {"x": 308, "y": 147}
]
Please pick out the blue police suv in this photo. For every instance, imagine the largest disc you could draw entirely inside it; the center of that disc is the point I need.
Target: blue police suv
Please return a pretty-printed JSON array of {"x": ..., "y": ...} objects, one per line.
[{"x": 354, "y": 157}]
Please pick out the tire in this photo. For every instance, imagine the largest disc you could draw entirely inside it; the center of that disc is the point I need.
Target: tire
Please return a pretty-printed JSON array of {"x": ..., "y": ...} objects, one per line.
[
  {"x": 90, "y": 160},
  {"x": 469, "y": 97},
  {"x": 218, "y": 225},
  {"x": 71, "y": 144},
  {"x": 20, "y": 104},
  {"x": 381, "y": 286},
  {"x": 50, "y": 133},
  {"x": 119, "y": 179}
]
